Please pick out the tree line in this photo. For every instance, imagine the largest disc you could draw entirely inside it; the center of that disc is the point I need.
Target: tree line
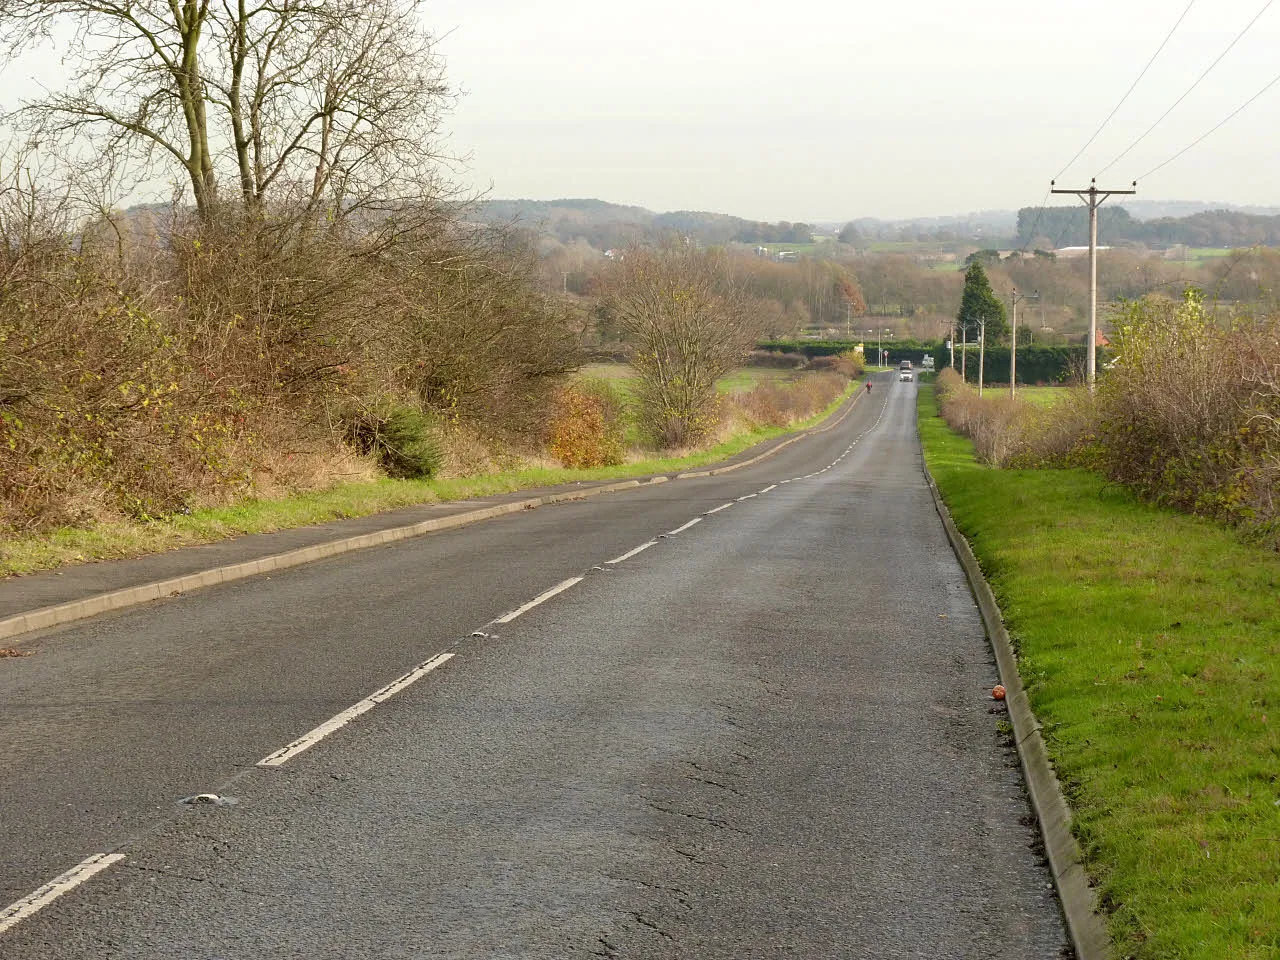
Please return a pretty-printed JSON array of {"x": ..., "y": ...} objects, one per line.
[{"x": 1055, "y": 227}]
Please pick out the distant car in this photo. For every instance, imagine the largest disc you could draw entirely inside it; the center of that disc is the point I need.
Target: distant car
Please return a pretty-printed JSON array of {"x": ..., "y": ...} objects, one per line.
[
  {"x": 905, "y": 365},
  {"x": 906, "y": 376}
]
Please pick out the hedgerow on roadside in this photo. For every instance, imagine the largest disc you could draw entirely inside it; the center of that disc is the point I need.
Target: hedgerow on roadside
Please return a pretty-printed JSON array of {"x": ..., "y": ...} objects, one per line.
[{"x": 1189, "y": 415}]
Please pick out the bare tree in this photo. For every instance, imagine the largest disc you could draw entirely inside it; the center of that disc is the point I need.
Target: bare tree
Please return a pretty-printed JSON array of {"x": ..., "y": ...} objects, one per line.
[
  {"x": 335, "y": 103},
  {"x": 688, "y": 325}
]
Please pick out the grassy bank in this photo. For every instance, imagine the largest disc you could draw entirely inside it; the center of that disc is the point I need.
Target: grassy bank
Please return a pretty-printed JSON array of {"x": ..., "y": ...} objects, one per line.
[
  {"x": 1149, "y": 642},
  {"x": 624, "y": 376},
  {"x": 118, "y": 540}
]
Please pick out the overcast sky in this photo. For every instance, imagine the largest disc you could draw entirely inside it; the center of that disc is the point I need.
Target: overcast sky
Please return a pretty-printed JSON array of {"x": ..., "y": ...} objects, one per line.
[
  {"x": 834, "y": 109},
  {"x": 830, "y": 109}
]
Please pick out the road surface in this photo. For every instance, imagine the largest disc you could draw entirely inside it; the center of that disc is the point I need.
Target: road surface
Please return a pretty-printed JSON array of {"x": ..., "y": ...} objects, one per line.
[{"x": 768, "y": 733}]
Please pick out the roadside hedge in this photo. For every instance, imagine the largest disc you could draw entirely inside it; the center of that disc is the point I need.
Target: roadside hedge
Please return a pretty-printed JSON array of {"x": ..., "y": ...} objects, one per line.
[{"x": 1035, "y": 364}]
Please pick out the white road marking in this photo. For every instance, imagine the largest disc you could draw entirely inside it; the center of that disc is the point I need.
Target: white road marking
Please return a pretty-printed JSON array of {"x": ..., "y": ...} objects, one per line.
[
  {"x": 780, "y": 482},
  {"x": 311, "y": 738},
  {"x": 540, "y": 598},
  {"x": 767, "y": 489},
  {"x": 747, "y": 497},
  {"x": 682, "y": 529},
  {"x": 15, "y": 913},
  {"x": 631, "y": 553},
  {"x": 723, "y": 506}
]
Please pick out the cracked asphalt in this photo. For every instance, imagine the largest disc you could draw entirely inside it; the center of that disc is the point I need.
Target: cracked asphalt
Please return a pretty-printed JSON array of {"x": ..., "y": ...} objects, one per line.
[{"x": 769, "y": 735}]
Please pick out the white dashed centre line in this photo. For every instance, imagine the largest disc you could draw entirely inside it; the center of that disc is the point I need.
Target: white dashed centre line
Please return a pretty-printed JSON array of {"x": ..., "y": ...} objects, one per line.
[
  {"x": 723, "y": 506},
  {"x": 15, "y": 913},
  {"x": 768, "y": 488},
  {"x": 310, "y": 739},
  {"x": 747, "y": 497},
  {"x": 631, "y": 553},
  {"x": 540, "y": 598},
  {"x": 684, "y": 527}
]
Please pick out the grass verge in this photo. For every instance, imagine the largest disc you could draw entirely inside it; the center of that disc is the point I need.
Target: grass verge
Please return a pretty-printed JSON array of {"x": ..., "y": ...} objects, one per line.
[
  {"x": 112, "y": 541},
  {"x": 1149, "y": 643}
]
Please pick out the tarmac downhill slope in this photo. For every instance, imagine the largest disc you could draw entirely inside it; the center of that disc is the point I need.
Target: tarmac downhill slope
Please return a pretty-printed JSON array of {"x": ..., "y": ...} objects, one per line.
[{"x": 767, "y": 733}]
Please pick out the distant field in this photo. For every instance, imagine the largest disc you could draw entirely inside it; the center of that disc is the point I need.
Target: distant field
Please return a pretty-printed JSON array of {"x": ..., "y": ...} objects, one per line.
[
  {"x": 792, "y": 247},
  {"x": 1043, "y": 396},
  {"x": 916, "y": 246},
  {"x": 739, "y": 381}
]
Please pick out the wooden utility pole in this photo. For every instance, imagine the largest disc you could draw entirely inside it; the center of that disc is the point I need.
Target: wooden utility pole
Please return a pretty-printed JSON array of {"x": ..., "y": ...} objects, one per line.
[
  {"x": 982, "y": 352},
  {"x": 1015, "y": 297},
  {"x": 1094, "y": 198}
]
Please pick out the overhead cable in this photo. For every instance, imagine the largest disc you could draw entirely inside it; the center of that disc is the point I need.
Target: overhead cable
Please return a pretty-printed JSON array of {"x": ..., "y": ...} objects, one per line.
[
  {"x": 1164, "y": 43},
  {"x": 1124, "y": 153},
  {"x": 1213, "y": 129}
]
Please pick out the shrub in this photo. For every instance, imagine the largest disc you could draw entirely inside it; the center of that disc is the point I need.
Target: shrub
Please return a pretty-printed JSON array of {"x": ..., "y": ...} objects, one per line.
[
  {"x": 779, "y": 360},
  {"x": 774, "y": 404},
  {"x": 848, "y": 364},
  {"x": 157, "y": 363},
  {"x": 588, "y": 428},
  {"x": 401, "y": 438},
  {"x": 1190, "y": 416}
]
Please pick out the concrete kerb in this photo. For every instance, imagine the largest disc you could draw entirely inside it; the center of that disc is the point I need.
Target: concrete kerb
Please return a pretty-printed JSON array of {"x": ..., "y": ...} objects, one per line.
[
  {"x": 1079, "y": 905},
  {"x": 75, "y": 610}
]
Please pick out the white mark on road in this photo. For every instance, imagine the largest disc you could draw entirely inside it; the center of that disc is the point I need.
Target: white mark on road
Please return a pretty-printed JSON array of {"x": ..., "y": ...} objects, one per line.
[
  {"x": 631, "y": 553},
  {"x": 747, "y": 497},
  {"x": 15, "y": 913},
  {"x": 768, "y": 488},
  {"x": 540, "y": 598},
  {"x": 682, "y": 529},
  {"x": 310, "y": 739},
  {"x": 723, "y": 506}
]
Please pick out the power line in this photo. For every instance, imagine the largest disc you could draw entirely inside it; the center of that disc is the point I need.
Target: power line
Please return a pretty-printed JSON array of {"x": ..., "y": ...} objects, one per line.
[
  {"x": 1102, "y": 126},
  {"x": 1031, "y": 235},
  {"x": 1188, "y": 91},
  {"x": 1204, "y": 136}
]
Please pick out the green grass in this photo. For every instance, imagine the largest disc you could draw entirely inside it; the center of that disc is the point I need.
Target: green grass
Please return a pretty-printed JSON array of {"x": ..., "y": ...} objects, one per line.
[
  {"x": 748, "y": 378},
  {"x": 1150, "y": 645},
  {"x": 1043, "y": 396},
  {"x": 741, "y": 380},
  {"x": 106, "y": 541}
]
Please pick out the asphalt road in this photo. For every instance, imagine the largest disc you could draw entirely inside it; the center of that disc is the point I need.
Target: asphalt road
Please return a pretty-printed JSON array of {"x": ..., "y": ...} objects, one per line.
[{"x": 766, "y": 735}]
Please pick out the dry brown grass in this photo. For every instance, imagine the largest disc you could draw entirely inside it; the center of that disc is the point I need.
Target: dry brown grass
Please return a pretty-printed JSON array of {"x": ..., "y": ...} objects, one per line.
[
  {"x": 1015, "y": 432},
  {"x": 772, "y": 404}
]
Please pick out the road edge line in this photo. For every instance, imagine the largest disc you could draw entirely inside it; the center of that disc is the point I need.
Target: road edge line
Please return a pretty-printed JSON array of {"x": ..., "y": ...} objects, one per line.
[{"x": 1085, "y": 925}]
